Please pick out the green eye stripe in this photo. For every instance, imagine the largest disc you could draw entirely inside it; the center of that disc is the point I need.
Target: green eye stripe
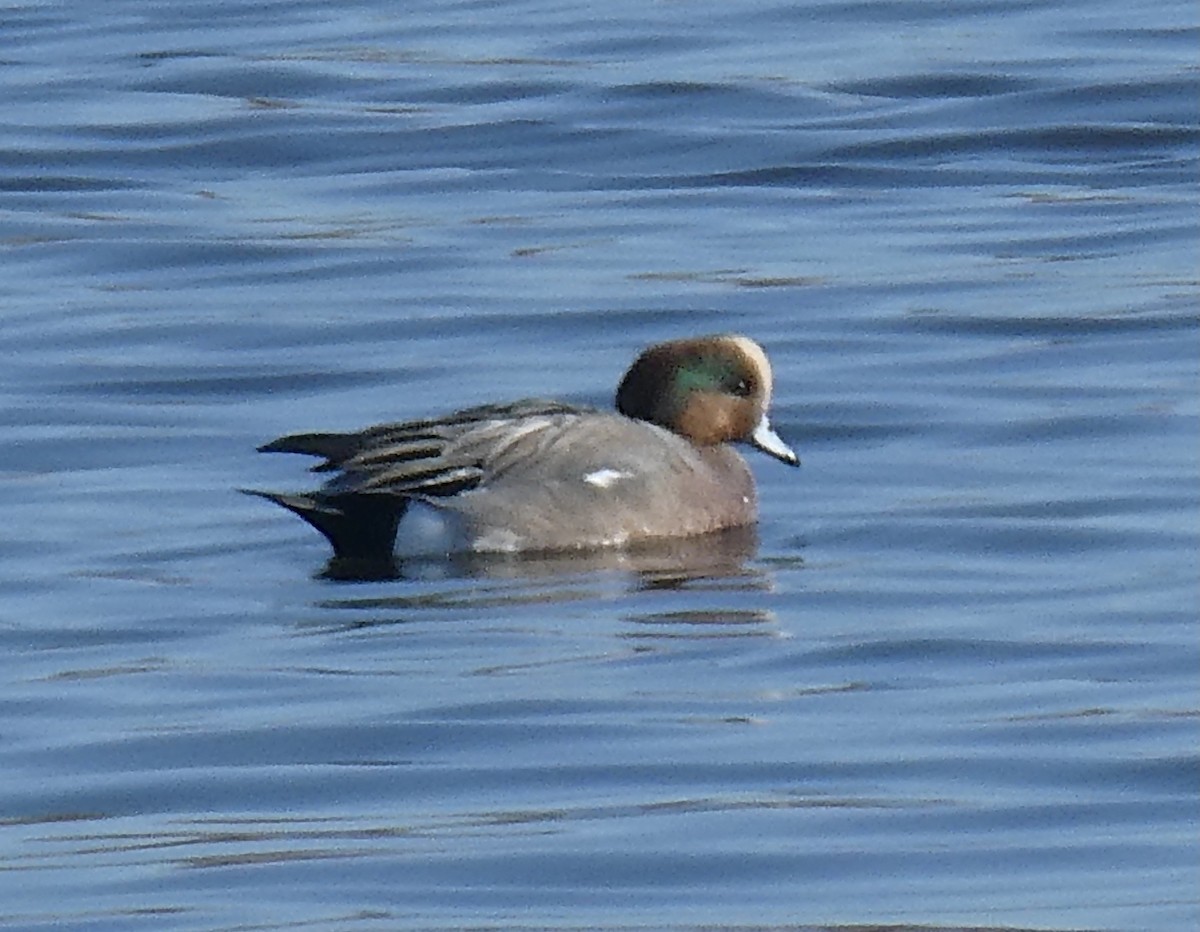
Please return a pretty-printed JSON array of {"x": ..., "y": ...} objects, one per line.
[{"x": 707, "y": 375}]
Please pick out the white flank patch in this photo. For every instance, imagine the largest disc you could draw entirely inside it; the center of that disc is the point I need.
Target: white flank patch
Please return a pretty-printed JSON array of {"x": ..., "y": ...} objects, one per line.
[
  {"x": 605, "y": 478},
  {"x": 498, "y": 540}
]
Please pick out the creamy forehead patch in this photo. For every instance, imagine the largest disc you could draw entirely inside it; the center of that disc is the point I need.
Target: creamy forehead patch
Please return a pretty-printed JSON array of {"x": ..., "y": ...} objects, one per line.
[{"x": 758, "y": 359}]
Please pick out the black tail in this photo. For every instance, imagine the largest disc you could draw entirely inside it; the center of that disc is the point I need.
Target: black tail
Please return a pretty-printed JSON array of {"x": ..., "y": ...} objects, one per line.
[{"x": 359, "y": 526}]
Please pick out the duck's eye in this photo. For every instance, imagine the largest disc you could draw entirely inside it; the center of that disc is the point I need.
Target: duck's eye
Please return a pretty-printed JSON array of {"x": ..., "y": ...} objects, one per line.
[{"x": 742, "y": 388}]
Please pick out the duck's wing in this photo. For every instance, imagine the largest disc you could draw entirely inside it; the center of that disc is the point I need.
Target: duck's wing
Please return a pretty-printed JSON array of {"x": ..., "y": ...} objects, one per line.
[
  {"x": 379, "y": 469},
  {"x": 432, "y": 457}
]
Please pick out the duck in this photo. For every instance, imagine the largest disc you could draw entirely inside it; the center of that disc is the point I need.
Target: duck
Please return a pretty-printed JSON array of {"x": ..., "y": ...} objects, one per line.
[{"x": 541, "y": 476}]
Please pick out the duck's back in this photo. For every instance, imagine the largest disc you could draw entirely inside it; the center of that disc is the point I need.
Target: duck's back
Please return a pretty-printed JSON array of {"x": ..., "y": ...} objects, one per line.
[{"x": 591, "y": 479}]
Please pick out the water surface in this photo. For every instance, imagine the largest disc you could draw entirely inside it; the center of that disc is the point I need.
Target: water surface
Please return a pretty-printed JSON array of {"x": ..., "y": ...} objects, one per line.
[{"x": 950, "y": 683}]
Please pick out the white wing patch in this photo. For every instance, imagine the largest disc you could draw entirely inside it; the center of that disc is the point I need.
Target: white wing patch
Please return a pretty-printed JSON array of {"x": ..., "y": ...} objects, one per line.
[{"x": 606, "y": 478}]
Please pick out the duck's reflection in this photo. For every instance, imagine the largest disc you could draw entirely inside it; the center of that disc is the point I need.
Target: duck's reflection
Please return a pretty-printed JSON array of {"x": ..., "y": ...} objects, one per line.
[
  {"x": 716, "y": 586},
  {"x": 663, "y": 564}
]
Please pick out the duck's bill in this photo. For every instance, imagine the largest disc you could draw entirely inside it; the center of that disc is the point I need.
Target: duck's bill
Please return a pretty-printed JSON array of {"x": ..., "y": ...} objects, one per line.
[{"x": 765, "y": 438}]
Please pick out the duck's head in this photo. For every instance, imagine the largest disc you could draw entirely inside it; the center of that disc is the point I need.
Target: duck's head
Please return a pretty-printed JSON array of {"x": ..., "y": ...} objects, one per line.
[{"x": 711, "y": 389}]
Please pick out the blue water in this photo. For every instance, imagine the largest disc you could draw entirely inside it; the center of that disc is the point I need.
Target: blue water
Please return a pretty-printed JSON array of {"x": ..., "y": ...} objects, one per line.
[{"x": 953, "y": 684}]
